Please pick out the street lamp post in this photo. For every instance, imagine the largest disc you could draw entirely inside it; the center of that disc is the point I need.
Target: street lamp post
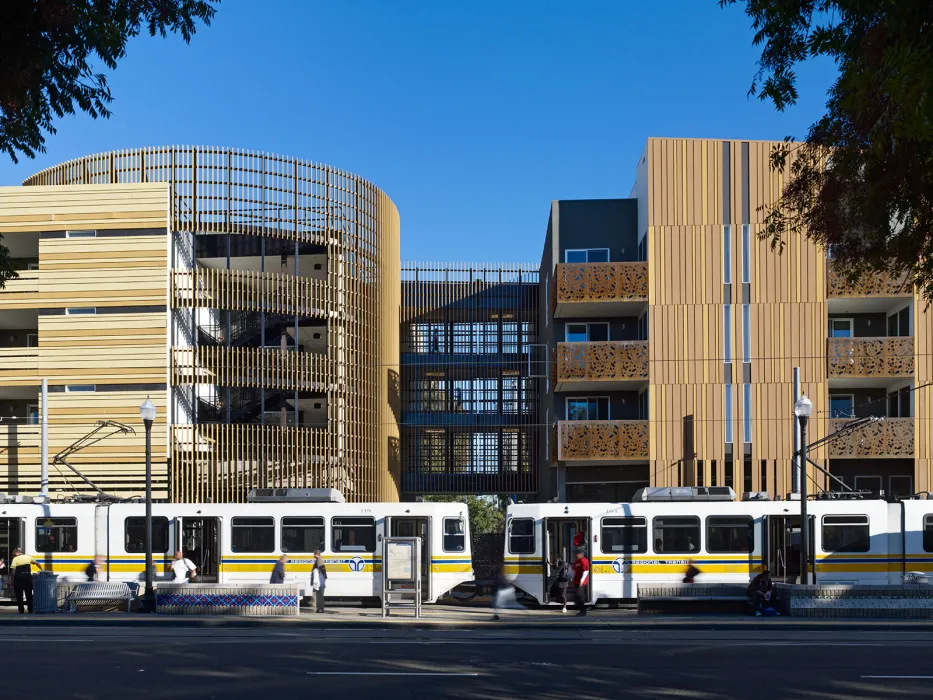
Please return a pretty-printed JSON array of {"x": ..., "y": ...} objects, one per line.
[
  {"x": 147, "y": 412},
  {"x": 802, "y": 409}
]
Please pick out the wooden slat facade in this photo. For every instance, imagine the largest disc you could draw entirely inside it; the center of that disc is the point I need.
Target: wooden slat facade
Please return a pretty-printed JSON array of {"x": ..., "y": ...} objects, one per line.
[{"x": 182, "y": 201}]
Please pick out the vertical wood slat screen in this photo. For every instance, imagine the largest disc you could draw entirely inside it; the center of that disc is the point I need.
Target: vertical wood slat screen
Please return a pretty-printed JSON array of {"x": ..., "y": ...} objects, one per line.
[{"x": 222, "y": 192}]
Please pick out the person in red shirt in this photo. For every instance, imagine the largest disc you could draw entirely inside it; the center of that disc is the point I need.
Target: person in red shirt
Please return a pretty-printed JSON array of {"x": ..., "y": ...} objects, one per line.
[{"x": 581, "y": 576}]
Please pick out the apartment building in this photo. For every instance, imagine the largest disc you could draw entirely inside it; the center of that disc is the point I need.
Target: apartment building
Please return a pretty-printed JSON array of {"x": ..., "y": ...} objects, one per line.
[
  {"x": 259, "y": 301},
  {"x": 253, "y": 297},
  {"x": 674, "y": 331}
]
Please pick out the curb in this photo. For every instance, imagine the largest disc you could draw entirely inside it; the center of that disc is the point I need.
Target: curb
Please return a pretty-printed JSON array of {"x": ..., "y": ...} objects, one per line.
[{"x": 145, "y": 621}]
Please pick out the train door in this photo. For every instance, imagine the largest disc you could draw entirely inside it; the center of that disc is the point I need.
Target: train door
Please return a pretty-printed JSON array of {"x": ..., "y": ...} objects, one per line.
[
  {"x": 199, "y": 538},
  {"x": 782, "y": 546},
  {"x": 11, "y": 537},
  {"x": 416, "y": 527},
  {"x": 561, "y": 538}
]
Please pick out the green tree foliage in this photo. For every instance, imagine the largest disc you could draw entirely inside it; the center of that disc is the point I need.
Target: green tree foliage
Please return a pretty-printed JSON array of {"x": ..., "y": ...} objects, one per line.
[
  {"x": 862, "y": 181},
  {"x": 487, "y": 513},
  {"x": 48, "y": 52}
]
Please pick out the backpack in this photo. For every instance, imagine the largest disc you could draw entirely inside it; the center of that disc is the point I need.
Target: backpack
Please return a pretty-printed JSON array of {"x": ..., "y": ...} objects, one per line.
[
  {"x": 91, "y": 572},
  {"x": 563, "y": 574}
]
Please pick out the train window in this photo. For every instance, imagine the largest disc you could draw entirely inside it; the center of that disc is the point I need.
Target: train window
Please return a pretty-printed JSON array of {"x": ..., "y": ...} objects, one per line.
[
  {"x": 624, "y": 535},
  {"x": 846, "y": 533},
  {"x": 302, "y": 534},
  {"x": 730, "y": 534},
  {"x": 676, "y": 535},
  {"x": 134, "y": 537},
  {"x": 354, "y": 534},
  {"x": 522, "y": 536},
  {"x": 454, "y": 536},
  {"x": 252, "y": 534},
  {"x": 928, "y": 533},
  {"x": 56, "y": 534}
]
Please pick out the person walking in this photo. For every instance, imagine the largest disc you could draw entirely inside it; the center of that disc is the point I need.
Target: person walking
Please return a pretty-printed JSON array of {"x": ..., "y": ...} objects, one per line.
[
  {"x": 183, "y": 569},
  {"x": 581, "y": 576},
  {"x": 558, "y": 590},
  {"x": 278, "y": 571},
  {"x": 21, "y": 568},
  {"x": 93, "y": 570},
  {"x": 318, "y": 582}
]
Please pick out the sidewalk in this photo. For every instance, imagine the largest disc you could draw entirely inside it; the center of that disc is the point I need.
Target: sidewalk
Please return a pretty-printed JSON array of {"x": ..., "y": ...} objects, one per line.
[{"x": 463, "y": 617}]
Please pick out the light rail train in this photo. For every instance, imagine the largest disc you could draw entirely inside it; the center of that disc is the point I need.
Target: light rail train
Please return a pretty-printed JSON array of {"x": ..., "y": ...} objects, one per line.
[
  {"x": 729, "y": 541},
  {"x": 240, "y": 543}
]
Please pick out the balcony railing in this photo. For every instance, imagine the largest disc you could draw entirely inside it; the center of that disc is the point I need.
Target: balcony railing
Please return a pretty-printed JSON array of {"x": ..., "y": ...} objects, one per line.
[
  {"x": 890, "y": 438},
  {"x": 870, "y": 285},
  {"x": 870, "y": 357},
  {"x": 260, "y": 368},
  {"x": 612, "y": 361},
  {"x": 19, "y": 365},
  {"x": 602, "y": 440},
  {"x": 602, "y": 282}
]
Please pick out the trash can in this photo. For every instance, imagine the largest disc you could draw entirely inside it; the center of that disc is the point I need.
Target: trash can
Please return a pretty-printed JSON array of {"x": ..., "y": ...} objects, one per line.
[{"x": 45, "y": 592}]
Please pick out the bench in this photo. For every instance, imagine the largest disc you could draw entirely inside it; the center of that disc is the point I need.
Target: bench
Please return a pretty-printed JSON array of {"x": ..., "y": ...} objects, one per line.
[
  {"x": 660, "y": 593},
  {"x": 100, "y": 593}
]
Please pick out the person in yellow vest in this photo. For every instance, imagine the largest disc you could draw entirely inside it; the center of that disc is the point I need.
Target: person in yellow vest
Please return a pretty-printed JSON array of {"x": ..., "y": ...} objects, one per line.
[{"x": 21, "y": 568}]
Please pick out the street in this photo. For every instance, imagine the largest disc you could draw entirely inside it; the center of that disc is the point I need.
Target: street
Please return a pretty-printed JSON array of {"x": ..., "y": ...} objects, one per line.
[{"x": 230, "y": 664}]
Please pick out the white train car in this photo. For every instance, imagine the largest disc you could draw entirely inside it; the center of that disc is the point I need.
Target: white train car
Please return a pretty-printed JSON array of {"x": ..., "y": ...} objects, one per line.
[
  {"x": 240, "y": 543},
  {"x": 852, "y": 541}
]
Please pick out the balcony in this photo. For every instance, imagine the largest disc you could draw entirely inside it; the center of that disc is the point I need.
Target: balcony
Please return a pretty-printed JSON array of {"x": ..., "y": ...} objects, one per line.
[
  {"x": 602, "y": 440},
  {"x": 888, "y": 439},
  {"x": 869, "y": 359},
  {"x": 19, "y": 366},
  {"x": 600, "y": 289},
  {"x": 21, "y": 293},
  {"x": 602, "y": 365},
  {"x": 872, "y": 293}
]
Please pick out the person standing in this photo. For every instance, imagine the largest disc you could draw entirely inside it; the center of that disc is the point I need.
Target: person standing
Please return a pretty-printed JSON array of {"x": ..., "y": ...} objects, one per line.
[
  {"x": 21, "y": 568},
  {"x": 581, "y": 576},
  {"x": 183, "y": 568},
  {"x": 278, "y": 571},
  {"x": 318, "y": 582},
  {"x": 93, "y": 570}
]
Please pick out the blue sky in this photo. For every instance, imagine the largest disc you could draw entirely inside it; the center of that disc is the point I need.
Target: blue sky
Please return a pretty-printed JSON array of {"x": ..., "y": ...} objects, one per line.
[{"x": 472, "y": 116}]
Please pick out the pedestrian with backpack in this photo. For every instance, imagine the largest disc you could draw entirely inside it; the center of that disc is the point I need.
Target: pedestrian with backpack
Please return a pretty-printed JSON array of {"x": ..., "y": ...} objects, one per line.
[{"x": 558, "y": 592}]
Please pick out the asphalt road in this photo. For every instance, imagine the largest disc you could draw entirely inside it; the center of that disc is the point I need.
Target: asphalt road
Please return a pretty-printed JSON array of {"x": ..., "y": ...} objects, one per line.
[{"x": 180, "y": 663}]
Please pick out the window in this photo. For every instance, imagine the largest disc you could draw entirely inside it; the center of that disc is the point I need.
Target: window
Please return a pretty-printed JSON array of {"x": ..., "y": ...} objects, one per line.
[
  {"x": 871, "y": 484},
  {"x": 676, "y": 535},
  {"x": 899, "y": 403},
  {"x": 746, "y": 254},
  {"x": 521, "y": 536},
  {"x": 80, "y": 234},
  {"x": 727, "y": 415},
  {"x": 32, "y": 340},
  {"x": 899, "y": 322},
  {"x": 840, "y": 328},
  {"x": 846, "y": 533},
  {"x": 747, "y": 412},
  {"x": 32, "y": 267},
  {"x": 746, "y": 333},
  {"x": 354, "y": 534},
  {"x": 624, "y": 535},
  {"x": 596, "y": 408},
  {"x": 901, "y": 486},
  {"x": 588, "y": 255},
  {"x": 134, "y": 535},
  {"x": 727, "y": 333},
  {"x": 32, "y": 414},
  {"x": 841, "y": 406},
  {"x": 56, "y": 534},
  {"x": 928, "y": 533},
  {"x": 454, "y": 536},
  {"x": 78, "y": 388},
  {"x": 252, "y": 535},
  {"x": 80, "y": 311},
  {"x": 587, "y": 332},
  {"x": 302, "y": 534},
  {"x": 727, "y": 255},
  {"x": 730, "y": 534}
]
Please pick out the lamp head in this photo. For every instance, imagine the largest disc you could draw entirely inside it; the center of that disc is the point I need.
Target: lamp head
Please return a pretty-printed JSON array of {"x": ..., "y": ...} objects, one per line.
[
  {"x": 147, "y": 411},
  {"x": 803, "y": 406}
]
